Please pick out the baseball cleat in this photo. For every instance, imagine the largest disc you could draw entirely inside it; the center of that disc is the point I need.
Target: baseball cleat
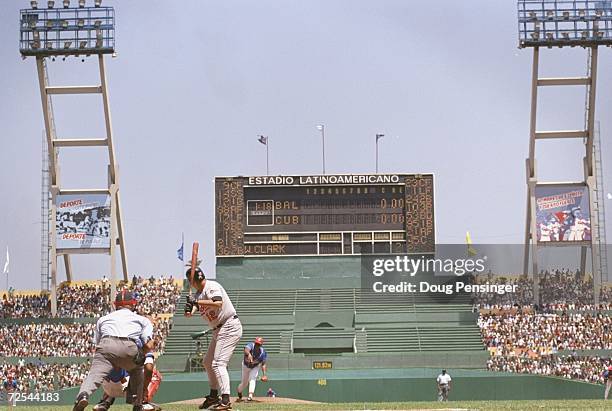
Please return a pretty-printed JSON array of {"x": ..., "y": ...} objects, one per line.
[
  {"x": 102, "y": 406},
  {"x": 151, "y": 406},
  {"x": 81, "y": 402},
  {"x": 239, "y": 396},
  {"x": 222, "y": 406},
  {"x": 209, "y": 401}
]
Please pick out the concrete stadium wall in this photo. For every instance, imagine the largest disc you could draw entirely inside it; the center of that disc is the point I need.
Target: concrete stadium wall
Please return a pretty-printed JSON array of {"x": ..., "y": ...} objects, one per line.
[{"x": 289, "y": 272}]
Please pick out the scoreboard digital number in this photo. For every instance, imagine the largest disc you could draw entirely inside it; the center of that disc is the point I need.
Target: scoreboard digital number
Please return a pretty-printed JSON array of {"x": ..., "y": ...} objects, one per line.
[{"x": 324, "y": 215}]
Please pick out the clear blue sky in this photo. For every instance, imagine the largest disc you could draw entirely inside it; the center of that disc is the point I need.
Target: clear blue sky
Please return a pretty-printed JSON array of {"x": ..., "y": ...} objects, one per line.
[{"x": 196, "y": 81}]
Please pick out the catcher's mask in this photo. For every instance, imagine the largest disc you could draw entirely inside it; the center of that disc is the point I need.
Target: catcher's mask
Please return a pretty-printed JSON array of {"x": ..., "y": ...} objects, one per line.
[
  {"x": 198, "y": 274},
  {"x": 125, "y": 299}
]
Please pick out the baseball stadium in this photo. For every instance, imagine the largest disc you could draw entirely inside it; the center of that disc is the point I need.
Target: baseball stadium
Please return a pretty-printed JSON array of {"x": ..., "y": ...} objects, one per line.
[{"x": 467, "y": 269}]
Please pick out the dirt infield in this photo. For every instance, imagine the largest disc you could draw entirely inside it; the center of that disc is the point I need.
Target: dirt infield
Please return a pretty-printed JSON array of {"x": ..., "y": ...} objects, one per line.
[
  {"x": 285, "y": 404},
  {"x": 256, "y": 400}
]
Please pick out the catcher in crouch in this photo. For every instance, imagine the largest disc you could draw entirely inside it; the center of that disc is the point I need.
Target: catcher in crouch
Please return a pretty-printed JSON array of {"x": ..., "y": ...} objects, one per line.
[
  {"x": 254, "y": 358},
  {"x": 115, "y": 385}
]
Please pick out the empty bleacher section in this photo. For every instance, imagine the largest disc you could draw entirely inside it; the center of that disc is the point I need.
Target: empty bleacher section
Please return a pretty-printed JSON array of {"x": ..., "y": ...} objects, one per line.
[{"x": 336, "y": 321}]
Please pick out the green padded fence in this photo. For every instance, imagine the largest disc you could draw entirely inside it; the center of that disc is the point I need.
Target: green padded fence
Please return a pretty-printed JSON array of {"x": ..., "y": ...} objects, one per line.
[{"x": 381, "y": 385}]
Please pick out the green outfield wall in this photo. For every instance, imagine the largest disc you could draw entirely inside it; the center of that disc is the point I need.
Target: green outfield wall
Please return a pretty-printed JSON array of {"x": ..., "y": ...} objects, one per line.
[
  {"x": 379, "y": 385},
  {"x": 348, "y": 361}
]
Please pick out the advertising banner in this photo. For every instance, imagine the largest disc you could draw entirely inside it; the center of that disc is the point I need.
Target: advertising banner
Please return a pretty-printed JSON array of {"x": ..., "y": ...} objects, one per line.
[
  {"x": 563, "y": 214},
  {"x": 83, "y": 221}
]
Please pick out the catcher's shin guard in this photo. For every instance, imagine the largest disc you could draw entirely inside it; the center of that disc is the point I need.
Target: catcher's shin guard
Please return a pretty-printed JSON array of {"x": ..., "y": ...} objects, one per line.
[{"x": 153, "y": 385}]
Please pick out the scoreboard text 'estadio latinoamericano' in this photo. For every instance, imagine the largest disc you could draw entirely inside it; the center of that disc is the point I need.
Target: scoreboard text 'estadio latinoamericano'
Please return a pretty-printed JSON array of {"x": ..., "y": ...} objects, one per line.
[{"x": 324, "y": 215}]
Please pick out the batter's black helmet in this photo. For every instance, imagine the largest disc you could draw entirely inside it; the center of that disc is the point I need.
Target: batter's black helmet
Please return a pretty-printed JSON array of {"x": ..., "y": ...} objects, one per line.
[{"x": 198, "y": 274}]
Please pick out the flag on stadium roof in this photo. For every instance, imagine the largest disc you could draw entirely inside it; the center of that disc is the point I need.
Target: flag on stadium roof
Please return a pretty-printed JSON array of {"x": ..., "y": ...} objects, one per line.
[
  {"x": 263, "y": 140},
  {"x": 6, "y": 264},
  {"x": 179, "y": 252},
  {"x": 470, "y": 250}
]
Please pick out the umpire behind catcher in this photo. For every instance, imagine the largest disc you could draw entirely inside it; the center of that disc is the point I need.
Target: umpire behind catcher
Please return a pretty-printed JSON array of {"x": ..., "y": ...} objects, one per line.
[{"x": 121, "y": 338}]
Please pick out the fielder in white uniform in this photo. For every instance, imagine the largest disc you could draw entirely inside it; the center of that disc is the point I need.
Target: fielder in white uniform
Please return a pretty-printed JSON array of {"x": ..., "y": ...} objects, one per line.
[
  {"x": 254, "y": 359},
  {"x": 214, "y": 305},
  {"x": 444, "y": 385}
]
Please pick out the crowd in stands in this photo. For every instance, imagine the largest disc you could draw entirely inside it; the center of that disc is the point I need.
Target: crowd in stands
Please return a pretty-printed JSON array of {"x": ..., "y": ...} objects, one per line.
[
  {"x": 529, "y": 334},
  {"x": 527, "y": 338},
  {"x": 17, "y": 306},
  {"x": 87, "y": 300},
  {"x": 61, "y": 340},
  {"x": 156, "y": 296},
  {"x": 587, "y": 368},
  {"x": 559, "y": 290},
  {"x": 39, "y": 376},
  {"x": 46, "y": 340}
]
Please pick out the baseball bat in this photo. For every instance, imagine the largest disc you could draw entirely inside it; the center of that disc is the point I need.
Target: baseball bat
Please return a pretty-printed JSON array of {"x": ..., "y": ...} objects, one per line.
[{"x": 194, "y": 263}]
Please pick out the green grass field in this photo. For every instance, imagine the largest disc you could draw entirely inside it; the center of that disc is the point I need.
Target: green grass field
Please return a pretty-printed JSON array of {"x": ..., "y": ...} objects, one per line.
[{"x": 451, "y": 405}]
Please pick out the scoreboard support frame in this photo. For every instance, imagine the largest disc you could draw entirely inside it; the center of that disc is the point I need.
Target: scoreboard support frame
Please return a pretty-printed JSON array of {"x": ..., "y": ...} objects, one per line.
[{"x": 532, "y": 244}]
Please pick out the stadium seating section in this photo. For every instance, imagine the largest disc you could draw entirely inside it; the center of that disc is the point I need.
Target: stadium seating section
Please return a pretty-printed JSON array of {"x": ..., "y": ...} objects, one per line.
[{"x": 341, "y": 320}]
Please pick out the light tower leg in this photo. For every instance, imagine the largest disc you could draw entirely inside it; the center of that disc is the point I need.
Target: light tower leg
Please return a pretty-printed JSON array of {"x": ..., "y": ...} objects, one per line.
[
  {"x": 531, "y": 237},
  {"x": 527, "y": 235}
]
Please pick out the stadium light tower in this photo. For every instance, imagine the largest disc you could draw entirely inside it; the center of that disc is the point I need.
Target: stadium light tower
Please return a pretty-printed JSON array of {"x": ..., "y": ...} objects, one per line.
[
  {"x": 565, "y": 213},
  {"x": 89, "y": 220}
]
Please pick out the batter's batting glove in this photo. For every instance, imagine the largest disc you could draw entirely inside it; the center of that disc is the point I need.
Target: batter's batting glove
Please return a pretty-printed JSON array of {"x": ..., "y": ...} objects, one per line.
[{"x": 189, "y": 305}]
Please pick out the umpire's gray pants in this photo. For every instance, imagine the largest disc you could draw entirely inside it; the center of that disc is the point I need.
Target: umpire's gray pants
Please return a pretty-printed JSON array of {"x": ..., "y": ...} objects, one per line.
[{"x": 115, "y": 353}]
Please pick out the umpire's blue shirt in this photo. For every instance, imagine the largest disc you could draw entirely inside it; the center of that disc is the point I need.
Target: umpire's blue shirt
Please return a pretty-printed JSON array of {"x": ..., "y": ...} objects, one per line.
[{"x": 124, "y": 323}]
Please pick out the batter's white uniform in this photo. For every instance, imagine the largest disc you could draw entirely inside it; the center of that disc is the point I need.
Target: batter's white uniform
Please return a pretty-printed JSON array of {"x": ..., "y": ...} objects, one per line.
[{"x": 226, "y": 335}]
